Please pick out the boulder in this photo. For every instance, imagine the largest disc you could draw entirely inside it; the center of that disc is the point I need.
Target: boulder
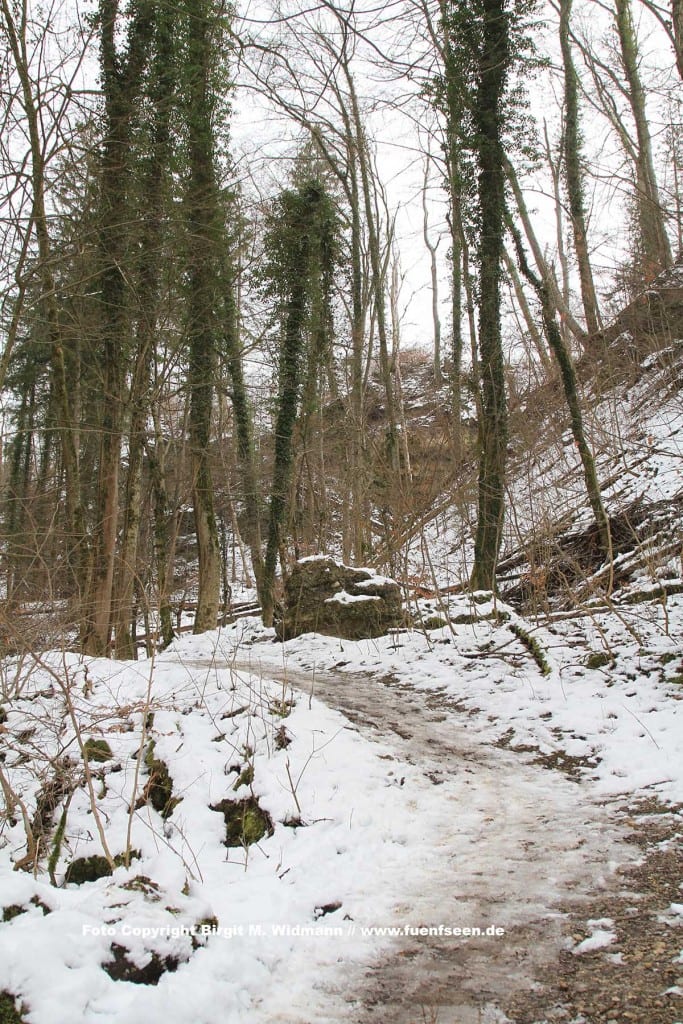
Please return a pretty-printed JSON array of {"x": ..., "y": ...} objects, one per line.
[{"x": 325, "y": 596}]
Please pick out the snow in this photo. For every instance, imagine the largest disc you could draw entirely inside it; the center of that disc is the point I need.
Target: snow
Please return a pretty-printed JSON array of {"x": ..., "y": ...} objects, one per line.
[
  {"x": 373, "y": 828},
  {"x": 343, "y": 597},
  {"x": 430, "y": 778},
  {"x": 601, "y": 935}
]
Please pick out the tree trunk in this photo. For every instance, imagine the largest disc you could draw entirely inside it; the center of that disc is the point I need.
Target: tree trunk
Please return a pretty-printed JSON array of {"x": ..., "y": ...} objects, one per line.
[
  {"x": 243, "y": 428},
  {"x": 76, "y": 550},
  {"x": 161, "y": 543},
  {"x": 493, "y": 63},
  {"x": 574, "y": 173},
  {"x": 154, "y": 176},
  {"x": 121, "y": 82},
  {"x": 654, "y": 241},
  {"x": 569, "y": 384},
  {"x": 677, "y": 22},
  {"x": 205, "y": 238}
]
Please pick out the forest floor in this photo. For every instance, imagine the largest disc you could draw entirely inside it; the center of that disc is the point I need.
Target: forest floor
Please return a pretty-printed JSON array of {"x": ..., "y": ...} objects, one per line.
[
  {"x": 475, "y": 820},
  {"x": 452, "y": 834},
  {"x": 586, "y": 936}
]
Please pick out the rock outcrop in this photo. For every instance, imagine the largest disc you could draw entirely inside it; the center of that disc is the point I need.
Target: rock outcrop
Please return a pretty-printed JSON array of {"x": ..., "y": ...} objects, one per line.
[{"x": 324, "y": 596}]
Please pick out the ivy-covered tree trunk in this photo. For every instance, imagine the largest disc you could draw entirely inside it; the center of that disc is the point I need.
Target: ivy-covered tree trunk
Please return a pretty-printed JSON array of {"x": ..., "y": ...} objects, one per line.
[
  {"x": 121, "y": 82},
  {"x": 161, "y": 533},
  {"x": 454, "y": 184},
  {"x": 300, "y": 264},
  {"x": 288, "y": 405},
  {"x": 571, "y": 394},
  {"x": 492, "y": 67},
  {"x": 243, "y": 428},
  {"x": 654, "y": 242},
  {"x": 155, "y": 169},
  {"x": 205, "y": 236},
  {"x": 574, "y": 173}
]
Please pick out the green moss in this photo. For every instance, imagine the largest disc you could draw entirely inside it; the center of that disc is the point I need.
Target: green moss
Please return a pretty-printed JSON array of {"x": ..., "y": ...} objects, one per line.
[
  {"x": 245, "y": 821},
  {"x": 57, "y": 846},
  {"x": 37, "y": 902},
  {"x": 12, "y": 911},
  {"x": 433, "y": 622},
  {"x": 598, "y": 659},
  {"x": 143, "y": 884},
  {"x": 89, "y": 869},
  {"x": 470, "y": 619},
  {"x": 159, "y": 787},
  {"x": 15, "y": 909},
  {"x": 121, "y": 968},
  {"x": 8, "y": 1011},
  {"x": 533, "y": 647},
  {"x": 281, "y": 708},
  {"x": 97, "y": 750},
  {"x": 282, "y": 738},
  {"x": 245, "y": 778}
]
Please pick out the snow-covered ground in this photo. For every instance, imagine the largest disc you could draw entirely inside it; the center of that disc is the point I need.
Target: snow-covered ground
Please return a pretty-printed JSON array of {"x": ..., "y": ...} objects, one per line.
[
  {"x": 371, "y": 811},
  {"x": 464, "y": 776}
]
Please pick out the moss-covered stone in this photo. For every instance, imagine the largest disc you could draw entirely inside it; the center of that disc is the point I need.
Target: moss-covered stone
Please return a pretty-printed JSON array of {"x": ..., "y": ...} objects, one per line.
[
  {"x": 245, "y": 778},
  {"x": 324, "y": 596},
  {"x": 87, "y": 869},
  {"x": 145, "y": 885},
  {"x": 97, "y": 750},
  {"x": 121, "y": 968},
  {"x": 8, "y": 1010},
  {"x": 245, "y": 821},
  {"x": 16, "y": 909},
  {"x": 37, "y": 902},
  {"x": 159, "y": 788},
  {"x": 282, "y": 738},
  {"x": 433, "y": 622},
  {"x": 598, "y": 659},
  {"x": 12, "y": 911}
]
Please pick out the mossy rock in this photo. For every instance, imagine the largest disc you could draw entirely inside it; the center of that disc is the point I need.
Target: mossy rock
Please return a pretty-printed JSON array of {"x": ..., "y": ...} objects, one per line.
[
  {"x": 159, "y": 787},
  {"x": 8, "y": 1010},
  {"x": 145, "y": 885},
  {"x": 97, "y": 750},
  {"x": 245, "y": 778},
  {"x": 12, "y": 911},
  {"x": 245, "y": 821},
  {"x": 121, "y": 968},
  {"x": 282, "y": 739},
  {"x": 598, "y": 659},
  {"x": 16, "y": 909},
  {"x": 433, "y": 622},
  {"x": 89, "y": 869},
  {"x": 324, "y": 596}
]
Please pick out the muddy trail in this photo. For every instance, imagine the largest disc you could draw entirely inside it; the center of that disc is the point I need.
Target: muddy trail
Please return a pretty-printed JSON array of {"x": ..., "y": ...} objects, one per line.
[{"x": 515, "y": 846}]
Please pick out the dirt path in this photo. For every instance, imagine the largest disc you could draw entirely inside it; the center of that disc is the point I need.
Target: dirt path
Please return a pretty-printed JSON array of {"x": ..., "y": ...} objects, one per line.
[{"x": 515, "y": 841}]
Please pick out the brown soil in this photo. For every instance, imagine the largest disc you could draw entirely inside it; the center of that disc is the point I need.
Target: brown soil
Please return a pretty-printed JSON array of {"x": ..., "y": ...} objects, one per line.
[{"x": 628, "y": 980}]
